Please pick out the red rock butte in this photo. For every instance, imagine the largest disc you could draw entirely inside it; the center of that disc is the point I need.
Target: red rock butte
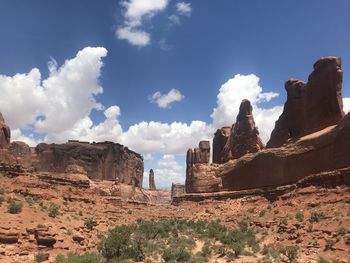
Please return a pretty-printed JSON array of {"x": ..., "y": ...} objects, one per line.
[{"x": 310, "y": 138}]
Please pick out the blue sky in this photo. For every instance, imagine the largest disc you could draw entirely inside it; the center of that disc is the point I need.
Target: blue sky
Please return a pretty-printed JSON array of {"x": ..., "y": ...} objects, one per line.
[{"x": 150, "y": 46}]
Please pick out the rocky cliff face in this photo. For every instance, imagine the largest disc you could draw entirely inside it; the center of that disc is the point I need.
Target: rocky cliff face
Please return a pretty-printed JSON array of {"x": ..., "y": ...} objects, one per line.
[
  {"x": 311, "y": 106},
  {"x": 244, "y": 137},
  {"x": 5, "y": 134},
  {"x": 151, "y": 183},
  {"x": 322, "y": 151},
  {"x": 220, "y": 139},
  {"x": 200, "y": 155},
  {"x": 104, "y": 161}
]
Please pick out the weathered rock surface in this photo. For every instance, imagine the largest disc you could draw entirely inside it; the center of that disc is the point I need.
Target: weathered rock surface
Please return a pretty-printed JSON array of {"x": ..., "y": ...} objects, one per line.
[
  {"x": 5, "y": 134},
  {"x": 20, "y": 149},
  {"x": 105, "y": 161},
  {"x": 196, "y": 156},
  {"x": 220, "y": 139},
  {"x": 311, "y": 106},
  {"x": 151, "y": 183},
  {"x": 244, "y": 137},
  {"x": 322, "y": 151},
  {"x": 177, "y": 190}
]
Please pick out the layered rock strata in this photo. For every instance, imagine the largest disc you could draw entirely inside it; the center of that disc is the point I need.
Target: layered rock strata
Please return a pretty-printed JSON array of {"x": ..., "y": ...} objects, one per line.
[
  {"x": 311, "y": 106},
  {"x": 103, "y": 161}
]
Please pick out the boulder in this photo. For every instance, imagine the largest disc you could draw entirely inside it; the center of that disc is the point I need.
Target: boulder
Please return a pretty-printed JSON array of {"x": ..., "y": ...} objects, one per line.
[
  {"x": 311, "y": 106},
  {"x": 244, "y": 137},
  {"x": 220, "y": 139},
  {"x": 151, "y": 183},
  {"x": 44, "y": 238},
  {"x": 5, "y": 134}
]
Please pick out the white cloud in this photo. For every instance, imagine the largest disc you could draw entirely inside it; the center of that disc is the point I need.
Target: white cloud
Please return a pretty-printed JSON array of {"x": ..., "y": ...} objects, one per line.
[
  {"x": 168, "y": 171},
  {"x": 184, "y": 8},
  {"x": 165, "y": 100},
  {"x": 233, "y": 92},
  {"x": 133, "y": 36},
  {"x": 174, "y": 19},
  {"x": 164, "y": 45},
  {"x": 157, "y": 137},
  {"x": 346, "y": 105},
  {"x": 135, "y": 12}
]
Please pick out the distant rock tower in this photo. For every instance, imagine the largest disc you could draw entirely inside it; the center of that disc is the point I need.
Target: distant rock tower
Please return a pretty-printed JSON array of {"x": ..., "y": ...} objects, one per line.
[{"x": 152, "y": 185}]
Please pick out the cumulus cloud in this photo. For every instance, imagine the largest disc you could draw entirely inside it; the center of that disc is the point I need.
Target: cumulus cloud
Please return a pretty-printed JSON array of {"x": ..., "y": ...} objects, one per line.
[
  {"x": 135, "y": 37},
  {"x": 346, "y": 105},
  {"x": 233, "y": 92},
  {"x": 165, "y": 100},
  {"x": 183, "y": 8},
  {"x": 157, "y": 137},
  {"x": 135, "y": 12},
  {"x": 167, "y": 170}
]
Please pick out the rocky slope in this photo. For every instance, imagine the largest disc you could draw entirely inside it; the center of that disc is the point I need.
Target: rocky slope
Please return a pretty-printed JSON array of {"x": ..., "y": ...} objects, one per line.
[{"x": 57, "y": 218}]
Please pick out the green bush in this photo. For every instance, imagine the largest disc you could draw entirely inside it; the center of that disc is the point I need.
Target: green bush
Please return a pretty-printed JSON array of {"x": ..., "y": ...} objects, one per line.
[
  {"x": 54, "y": 210},
  {"x": 76, "y": 258},
  {"x": 174, "y": 240},
  {"x": 299, "y": 217},
  {"x": 14, "y": 207},
  {"x": 316, "y": 217},
  {"x": 89, "y": 223},
  {"x": 178, "y": 254},
  {"x": 290, "y": 252}
]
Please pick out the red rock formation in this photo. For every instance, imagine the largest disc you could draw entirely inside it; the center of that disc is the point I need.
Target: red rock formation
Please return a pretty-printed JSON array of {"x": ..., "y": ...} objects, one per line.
[
  {"x": 194, "y": 156},
  {"x": 322, "y": 151},
  {"x": 244, "y": 137},
  {"x": 106, "y": 160},
  {"x": 151, "y": 183},
  {"x": 177, "y": 190},
  {"x": 220, "y": 139},
  {"x": 5, "y": 134},
  {"x": 311, "y": 106}
]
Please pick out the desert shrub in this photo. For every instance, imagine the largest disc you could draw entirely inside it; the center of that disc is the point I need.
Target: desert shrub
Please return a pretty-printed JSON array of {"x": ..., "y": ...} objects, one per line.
[
  {"x": 173, "y": 240},
  {"x": 251, "y": 210},
  {"x": 290, "y": 252},
  {"x": 299, "y": 217},
  {"x": 177, "y": 254},
  {"x": 76, "y": 258},
  {"x": 14, "y": 207},
  {"x": 342, "y": 231},
  {"x": 89, "y": 223},
  {"x": 262, "y": 213},
  {"x": 329, "y": 244},
  {"x": 284, "y": 221},
  {"x": 322, "y": 260},
  {"x": 54, "y": 210},
  {"x": 316, "y": 217}
]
